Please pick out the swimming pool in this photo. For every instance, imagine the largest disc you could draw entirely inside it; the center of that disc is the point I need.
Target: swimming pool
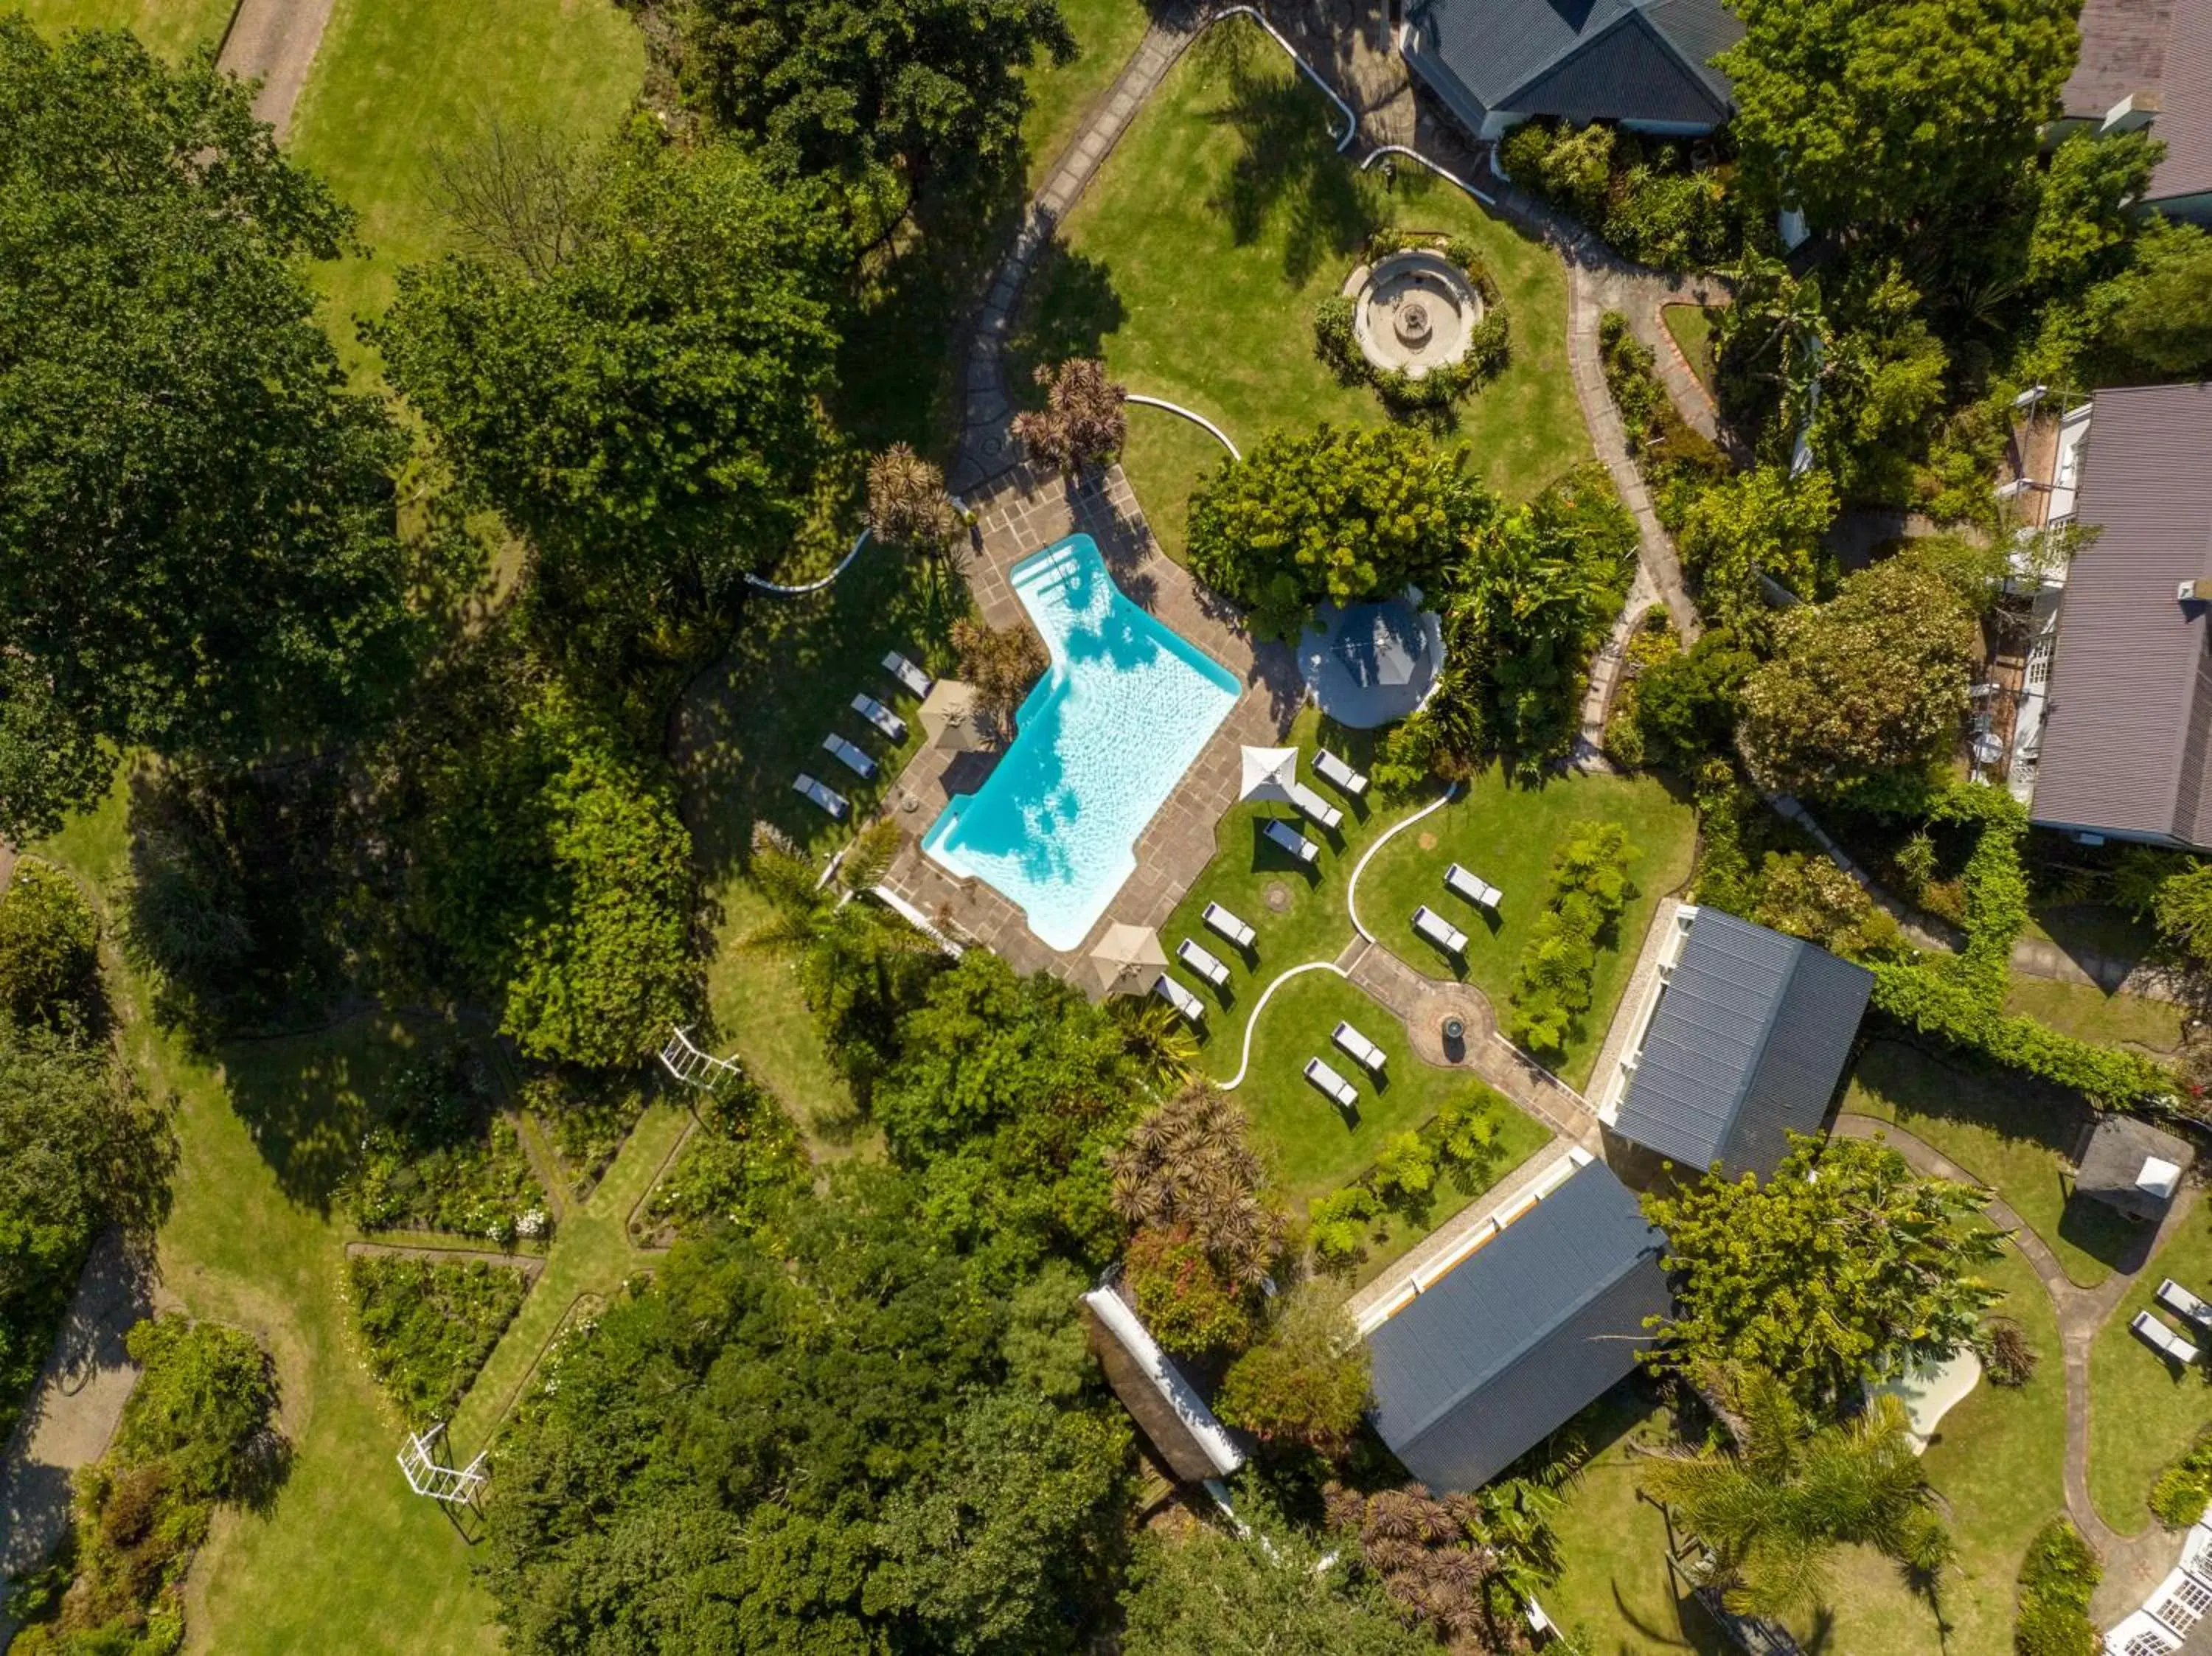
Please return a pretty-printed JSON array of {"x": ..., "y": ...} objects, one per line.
[{"x": 1099, "y": 744}]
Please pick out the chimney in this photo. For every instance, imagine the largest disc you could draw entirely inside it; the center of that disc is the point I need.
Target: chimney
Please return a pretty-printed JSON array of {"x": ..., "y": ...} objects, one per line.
[
  {"x": 2132, "y": 113},
  {"x": 2193, "y": 592}
]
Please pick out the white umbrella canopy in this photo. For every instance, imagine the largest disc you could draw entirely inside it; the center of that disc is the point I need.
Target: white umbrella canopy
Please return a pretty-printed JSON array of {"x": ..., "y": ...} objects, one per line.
[
  {"x": 1126, "y": 950},
  {"x": 1270, "y": 773}
]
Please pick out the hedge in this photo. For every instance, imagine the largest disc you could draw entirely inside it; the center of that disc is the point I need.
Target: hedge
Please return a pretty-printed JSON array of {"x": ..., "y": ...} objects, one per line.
[
  {"x": 1488, "y": 349},
  {"x": 2057, "y": 1579}
]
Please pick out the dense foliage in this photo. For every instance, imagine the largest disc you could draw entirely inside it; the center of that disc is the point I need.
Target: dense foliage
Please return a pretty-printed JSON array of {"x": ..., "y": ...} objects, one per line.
[
  {"x": 1465, "y": 1567},
  {"x": 1307, "y": 1380},
  {"x": 2184, "y": 1490},
  {"x": 2058, "y": 1579},
  {"x": 1647, "y": 197},
  {"x": 80, "y": 1148},
  {"x": 1330, "y": 516},
  {"x": 1756, "y": 527},
  {"x": 741, "y": 1167},
  {"x": 49, "y": 949},
  {"x": 1842, "y": 1264},
  {"x": 197, "y": 550},
  {"x": 427, "y": 1325},
  {"x": 1589, "y": 887},
  {"x": 195, "y": 1433},
  {"x": 436, "y": 1158}
]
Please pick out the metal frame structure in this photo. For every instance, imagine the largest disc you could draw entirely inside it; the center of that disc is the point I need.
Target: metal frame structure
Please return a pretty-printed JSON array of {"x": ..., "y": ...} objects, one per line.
[
  {"x": 418, "y": 1462},
  {"x": 687, "y": 1064}
]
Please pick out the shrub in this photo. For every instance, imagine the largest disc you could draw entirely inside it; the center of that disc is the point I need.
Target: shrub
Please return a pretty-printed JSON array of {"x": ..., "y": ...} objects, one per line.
[
  {"x": 1083, "y": 421},
  {"x": 1002, "y": 666},
  {"x": 1406, "y": 1170},
  {"x": 437, "y": 1159},
  {"x": 1589, "y": 889},
  {"x": 1186, "y": 1301},
  {"x": 2056, "y": 1579},
  {"x": 2184, "y": 1489},
  {"x": 1641, "y": 194},
  {"x": 1336, "y": 1224},
  {"x": 427, "y": 1326},
  {"x": 1308, "y": 1382},
  {"x": 2007, "y": 1356},
  {"x": 49, "y": 948},
  {"x": 739, "y": 1168}
]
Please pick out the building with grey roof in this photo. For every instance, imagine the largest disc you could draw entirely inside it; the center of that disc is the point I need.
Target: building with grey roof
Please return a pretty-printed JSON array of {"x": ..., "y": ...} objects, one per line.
[
  {"x": 1646, "y": 64},
  {"x": 1521, "y": 1335},
  {"x": 2148, "y": 63},
  {"x": 2127, "y": 729},
  {"x": 1743, "y": 1036},
  {"x": 2131, "y": 1166}
]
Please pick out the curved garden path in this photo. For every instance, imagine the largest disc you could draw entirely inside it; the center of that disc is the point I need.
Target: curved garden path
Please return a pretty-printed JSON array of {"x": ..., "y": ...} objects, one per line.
[{"x": 2132, "y": 1563}]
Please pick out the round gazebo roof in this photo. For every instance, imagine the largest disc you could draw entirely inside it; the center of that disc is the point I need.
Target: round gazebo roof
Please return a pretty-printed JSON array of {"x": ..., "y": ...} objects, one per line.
[{"x": 1371, "y": 664}]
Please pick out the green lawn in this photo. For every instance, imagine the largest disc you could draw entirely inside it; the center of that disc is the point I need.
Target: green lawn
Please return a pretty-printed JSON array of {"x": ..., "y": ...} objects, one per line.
[
  {"x": 2086, "y": 1011},
  {"x": 171, "y": 27},
  {"x": 1198, "y": 254},
  {"x": 396, "y": 82},
  {"x": 1691, "y": 328},
  {"x": 1506, "y": 834},
  {"x": 1298, "y": 911},
  {"x": 2144, "y": 1412},
  {"x": 1060, "y": 94},
  {"x": 2092, "y": 928},
  {"x": 1997, "y": 1461},
  {"x": 1314, "y": 1146},
  {"x": 2010, "y": 1132}
]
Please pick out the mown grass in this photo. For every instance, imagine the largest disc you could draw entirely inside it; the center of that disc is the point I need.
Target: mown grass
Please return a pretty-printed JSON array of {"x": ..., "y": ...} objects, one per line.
[
  {"x": 1062, "y": 95},
  {"x": 1196, "y": 258},
  {"x": 2144, "y": 1410},
  {"x": 2084, "y": 1011},
  {"x": 1691, "y": 329},
  {"x": 1507, "y": 834},
  {"x": 170, "y": 28}
]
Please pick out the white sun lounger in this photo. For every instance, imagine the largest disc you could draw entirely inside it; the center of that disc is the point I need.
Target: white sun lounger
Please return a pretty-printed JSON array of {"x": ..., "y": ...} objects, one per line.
[
  {"x": 2184, "y": 1304},
  {"x": 1200, "y": 962},
  {"x": 908, "y": 674},
  {"x": 828, "y": 797},
  {"x": 2162, "y": 1339},
  {"x": 850, "y": 755},
  {"x": 1180, "y": 998},
  {"x": 1291, "y": 839},
  {"x": 1335, "y": 771},
  {"x": 1439, "y": 930},
  {"x": 1340, "y": 1092},
  {"x": 879, "y": 716},
  {"x": 1361, "y": 1049},
  {"x": 1220, "y": 920},
  {"x": 1479, "y": 892},
  {"x": 1311, "y": 805}
]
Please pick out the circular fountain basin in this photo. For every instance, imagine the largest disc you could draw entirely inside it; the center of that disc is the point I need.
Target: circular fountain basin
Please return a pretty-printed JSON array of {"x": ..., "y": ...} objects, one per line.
[{"x": 1413, "y": 311}]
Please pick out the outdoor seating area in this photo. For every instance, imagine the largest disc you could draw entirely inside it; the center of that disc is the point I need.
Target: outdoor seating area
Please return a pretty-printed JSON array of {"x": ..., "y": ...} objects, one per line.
[
  {"x": 908, "y": 675},
  {"x": 892, "y": 726},
  {"x": 1477, "y": 891},
  {"x": 2184, "y": 1304},
  {"x": 1189, "y": 1005},
  {"x": 1335, "y": 1087},
  {"x": 1439, "y": 930},
  {"x": 2162, "y": 1340},
  {"x": 1219, "y": 919},
  {"x": 1282, "y": 834},
  {"x": 850, "y": 754},
  {"x": 1205, "y": 965},
  {"x": 827, "y": 797},
  {"x": 1339, "y": 775},
  {"x": 1358, "y": 1048}
]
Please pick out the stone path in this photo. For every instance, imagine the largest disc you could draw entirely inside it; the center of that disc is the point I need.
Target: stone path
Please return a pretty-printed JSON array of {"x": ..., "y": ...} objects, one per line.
[
  {"x": 2133, "y": 1565},
  {"x": 75, "y": 1408},
  {"x": 274, "y": 41}
]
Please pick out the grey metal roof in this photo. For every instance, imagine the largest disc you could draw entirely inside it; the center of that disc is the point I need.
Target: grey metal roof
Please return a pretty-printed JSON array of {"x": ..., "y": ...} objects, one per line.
[
  {"x": 2111, "y": 1165},
  {"x": 1620, "y": 59},
  {"x": 2130, "y": 723},
  {"x": 2162, "y": 47},
  {"x": 1370, "y": 665},
  {"x": 1751, "y": 1034},
  {"x": 2185, "y": 119},
  {"x": 1519, "y": 1338}
]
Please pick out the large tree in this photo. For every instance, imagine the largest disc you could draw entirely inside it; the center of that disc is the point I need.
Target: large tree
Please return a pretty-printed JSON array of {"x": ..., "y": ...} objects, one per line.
[
  {"x": 861, "y": 88},
  {"x": 643, "y": 408},
  {"x": 1871, "y": 682},
  {"x": 198, "y": 545},
  {"x": 1845, "y": 1261},
  {"x": 1889, "y": 112},
  {"x": 1330, "y": 516}
]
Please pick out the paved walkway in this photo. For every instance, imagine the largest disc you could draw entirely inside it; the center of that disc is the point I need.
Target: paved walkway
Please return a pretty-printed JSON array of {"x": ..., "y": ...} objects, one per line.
[
  {"x": 274, "y": 41},
  {"x": 2133, "y": 1564}
]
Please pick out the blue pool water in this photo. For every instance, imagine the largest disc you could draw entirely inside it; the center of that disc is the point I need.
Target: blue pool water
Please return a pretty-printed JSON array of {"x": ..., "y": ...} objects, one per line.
[{"x": 1099, "y": 744}]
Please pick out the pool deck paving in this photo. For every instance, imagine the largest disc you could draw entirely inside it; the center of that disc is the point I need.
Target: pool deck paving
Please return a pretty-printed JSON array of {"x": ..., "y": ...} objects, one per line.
[{"x": 1025, "y": 511}]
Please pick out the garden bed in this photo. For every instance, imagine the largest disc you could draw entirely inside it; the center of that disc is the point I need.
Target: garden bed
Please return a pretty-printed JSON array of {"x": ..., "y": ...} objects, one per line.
[
  {"x": 427, "y": 1325},
  {"x": 436, "y": 1157}
]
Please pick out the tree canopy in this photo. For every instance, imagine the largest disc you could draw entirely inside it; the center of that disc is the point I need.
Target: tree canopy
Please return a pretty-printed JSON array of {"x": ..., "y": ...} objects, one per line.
[
  {"x": 1844, "y": 1261},
  {"x": 198, "y": 542}
]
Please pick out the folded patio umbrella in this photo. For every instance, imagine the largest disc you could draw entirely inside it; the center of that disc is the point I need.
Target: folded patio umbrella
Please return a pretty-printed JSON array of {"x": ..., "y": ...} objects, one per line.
[
  {"x": 1270, "y": 773},
  {"x": 1127, "y": 952}
]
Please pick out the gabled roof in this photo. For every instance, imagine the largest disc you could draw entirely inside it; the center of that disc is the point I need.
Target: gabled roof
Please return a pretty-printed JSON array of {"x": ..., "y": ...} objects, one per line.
[
  {"x": 1521, "y": 1336},
  {"x": 2126, "y": 739},
  {"x": 1750, "y": 1037},
  {"x": 2114, "y": 1162},
  {"x": 2162, "y": 48},
  {"x": 1646, "y": 60}
]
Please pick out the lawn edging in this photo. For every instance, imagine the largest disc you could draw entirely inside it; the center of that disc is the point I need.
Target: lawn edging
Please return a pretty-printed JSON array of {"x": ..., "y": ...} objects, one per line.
[
  {"x": 1252, "y": 1018},
  {"x": 1352, "y": 885}
]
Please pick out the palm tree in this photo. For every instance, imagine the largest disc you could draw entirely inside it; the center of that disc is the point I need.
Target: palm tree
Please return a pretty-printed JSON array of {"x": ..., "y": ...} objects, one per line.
[
  {"x": 1157, "y": 1040},
  {"x": 1774, "y": 1504}
]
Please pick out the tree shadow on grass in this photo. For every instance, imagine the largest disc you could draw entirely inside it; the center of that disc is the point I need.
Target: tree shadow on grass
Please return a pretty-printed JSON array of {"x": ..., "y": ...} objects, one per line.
[{"x": 1071, "y": 308}]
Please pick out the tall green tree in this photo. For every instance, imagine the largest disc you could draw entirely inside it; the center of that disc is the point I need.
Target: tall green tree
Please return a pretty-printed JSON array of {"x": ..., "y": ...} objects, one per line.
[
  {"x": 1845, "y": 1261},
  {"x": 197, "y": 543},
  {"x": 1335, "y": 516},
  {"x": 1890, "y": 112},
  {"x": 1761, "y": 522},
  {"x": 49, "y": 948},
  {"x": 644, "y": 407}
]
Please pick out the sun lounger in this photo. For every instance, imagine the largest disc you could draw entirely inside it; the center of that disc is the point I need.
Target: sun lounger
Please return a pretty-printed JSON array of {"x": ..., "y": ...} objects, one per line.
[
  {"x": 1477, "y": 891},
  {"x": 1180, "y": 998},
  {"x": 2184, "y": 1304},
  {"x": 1312, "y": 806},
  {"x": 908, "y": 674},
  {"x": 1340, "y": 1091},
  {"x": 1439, "y": 930},
  {"x": 1361, "y": 1049},
  {"x": 880, "y": 716},
  {"x": 1337, "y": 774},
  {"x": 1200, "y": 962},
  {"x": 829, "y": 798},
  {"x": 849, "y": 756},
  {"x": 1291, "y": 839},
  {"x": 2162, "y": 1339},
  {"x": 1220, "y": 920}
]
